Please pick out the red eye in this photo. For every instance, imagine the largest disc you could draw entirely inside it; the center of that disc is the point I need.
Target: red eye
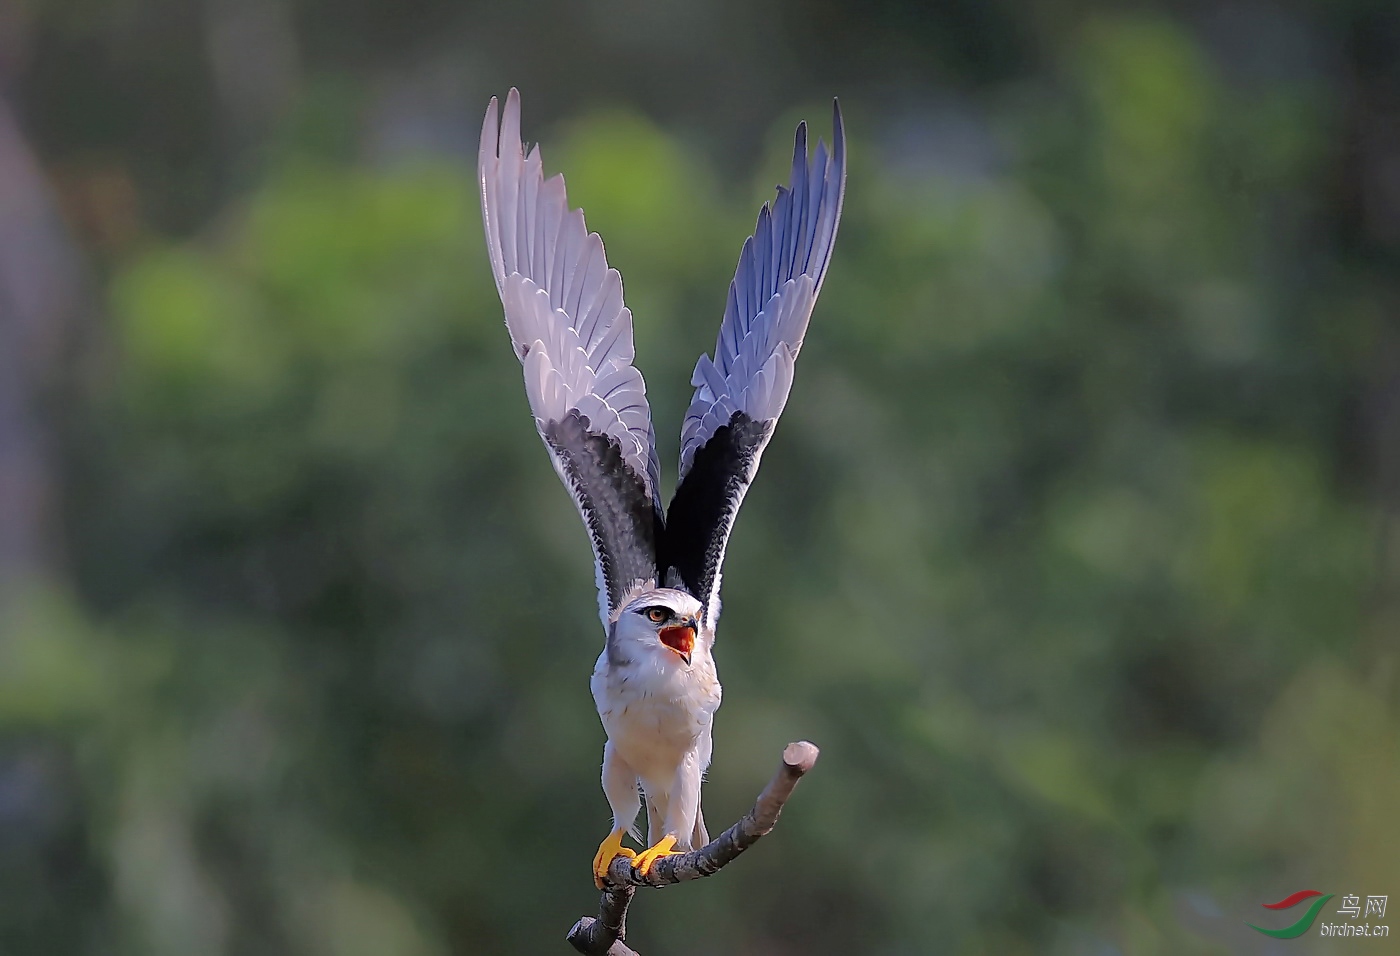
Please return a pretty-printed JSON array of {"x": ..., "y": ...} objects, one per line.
[{"x": 658, "y": 614}]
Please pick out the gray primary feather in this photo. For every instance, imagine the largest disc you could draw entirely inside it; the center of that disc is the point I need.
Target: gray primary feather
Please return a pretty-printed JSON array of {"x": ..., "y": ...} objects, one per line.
[
  {"x": 573, "y": 335},
  {"x": 775, "y": 286},
  {"x": 741, "y": 392}
]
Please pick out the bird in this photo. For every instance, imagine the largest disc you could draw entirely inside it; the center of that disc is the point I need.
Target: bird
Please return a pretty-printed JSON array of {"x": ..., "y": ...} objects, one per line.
[{"x": 657, "y": 570}]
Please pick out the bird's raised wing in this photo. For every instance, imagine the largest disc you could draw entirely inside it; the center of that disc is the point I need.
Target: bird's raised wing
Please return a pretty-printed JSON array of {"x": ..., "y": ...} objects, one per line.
[
  {"x": 573, "y": 336},
  {"x": 741, "y": 392}
]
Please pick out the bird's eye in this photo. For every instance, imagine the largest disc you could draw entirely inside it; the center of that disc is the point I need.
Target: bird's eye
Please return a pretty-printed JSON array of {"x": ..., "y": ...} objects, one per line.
[{"x": 657, "y": 615}]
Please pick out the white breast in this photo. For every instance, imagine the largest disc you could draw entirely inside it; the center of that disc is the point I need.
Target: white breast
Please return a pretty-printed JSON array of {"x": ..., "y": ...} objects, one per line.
[{"x": 655, "y": 714}]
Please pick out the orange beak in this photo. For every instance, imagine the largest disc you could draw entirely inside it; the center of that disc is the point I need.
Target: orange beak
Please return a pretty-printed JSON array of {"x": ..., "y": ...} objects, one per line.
[{"x": 679, "y": 638}]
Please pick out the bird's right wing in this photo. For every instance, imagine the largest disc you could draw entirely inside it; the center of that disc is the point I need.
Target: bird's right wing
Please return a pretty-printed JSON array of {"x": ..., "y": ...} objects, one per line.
[
  {"x": 741, "y": 392},
  {"x": 573, "y": 335}
]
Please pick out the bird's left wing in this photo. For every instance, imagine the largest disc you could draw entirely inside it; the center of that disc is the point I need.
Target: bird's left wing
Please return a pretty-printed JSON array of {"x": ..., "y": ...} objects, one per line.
[
  {"x": 573, "y": 336},
  {"x": 741, "y": 392}
]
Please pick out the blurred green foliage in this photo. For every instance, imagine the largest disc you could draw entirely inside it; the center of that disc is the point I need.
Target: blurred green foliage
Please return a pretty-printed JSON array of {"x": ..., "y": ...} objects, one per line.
[{"x": 1058, "y": 553}]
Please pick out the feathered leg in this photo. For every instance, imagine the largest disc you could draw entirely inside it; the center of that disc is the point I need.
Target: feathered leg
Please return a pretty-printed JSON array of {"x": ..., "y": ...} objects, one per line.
[
  {"x": 684, "y": 805},
  {"x": 700, "y": 836},
  {"x": 679, "y": 811},
  {"x": 620, "y": 787},
  {"x": 702, "y": 753}
]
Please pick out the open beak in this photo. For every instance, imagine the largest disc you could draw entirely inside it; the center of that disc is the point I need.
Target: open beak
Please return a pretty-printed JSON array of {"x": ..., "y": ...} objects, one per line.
[{"x": 680, "y": 638}]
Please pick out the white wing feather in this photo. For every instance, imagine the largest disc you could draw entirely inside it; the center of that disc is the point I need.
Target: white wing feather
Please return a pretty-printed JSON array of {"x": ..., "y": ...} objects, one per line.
[{"x": 568, "y": 324}]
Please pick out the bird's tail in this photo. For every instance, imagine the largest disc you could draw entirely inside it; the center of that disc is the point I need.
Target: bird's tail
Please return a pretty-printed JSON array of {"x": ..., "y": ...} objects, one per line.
[
  {"x": 656, "y": 821},
  {"x": 656, "y": 825},
  {"x": 701, "y": 836}
]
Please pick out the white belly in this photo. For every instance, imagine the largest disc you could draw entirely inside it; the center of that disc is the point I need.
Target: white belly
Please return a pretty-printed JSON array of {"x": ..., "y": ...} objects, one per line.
[
  {"x": 656, "y": 717},
  {"x": 654, "y": 736}
]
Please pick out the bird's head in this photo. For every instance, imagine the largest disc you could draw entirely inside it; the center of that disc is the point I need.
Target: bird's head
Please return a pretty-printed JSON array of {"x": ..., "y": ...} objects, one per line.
[{"x": 664, "y": 620}]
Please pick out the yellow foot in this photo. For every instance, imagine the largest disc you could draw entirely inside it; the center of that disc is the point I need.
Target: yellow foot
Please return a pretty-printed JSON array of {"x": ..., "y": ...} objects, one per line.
[
  {"x": 643, "y": 863},
  {"x": 608, "y": 850}
]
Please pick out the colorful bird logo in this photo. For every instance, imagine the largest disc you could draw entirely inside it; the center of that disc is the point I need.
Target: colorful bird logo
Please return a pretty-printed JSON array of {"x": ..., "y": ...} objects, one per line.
[{"x": 1304, "y": 922}]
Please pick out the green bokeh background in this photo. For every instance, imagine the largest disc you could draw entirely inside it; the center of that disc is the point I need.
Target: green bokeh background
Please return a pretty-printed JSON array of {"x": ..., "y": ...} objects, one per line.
[{"x": 1075, "y": 550}]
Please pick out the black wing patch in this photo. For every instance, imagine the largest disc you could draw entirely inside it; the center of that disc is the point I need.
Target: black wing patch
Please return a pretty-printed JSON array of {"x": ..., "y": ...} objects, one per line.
[
  {"x": 703, "y": 509},
  {"x": 622, "y": 520}
]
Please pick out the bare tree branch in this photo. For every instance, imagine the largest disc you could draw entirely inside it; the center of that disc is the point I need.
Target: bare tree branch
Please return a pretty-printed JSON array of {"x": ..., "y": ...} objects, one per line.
[{"x": 604, "y": 936}]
